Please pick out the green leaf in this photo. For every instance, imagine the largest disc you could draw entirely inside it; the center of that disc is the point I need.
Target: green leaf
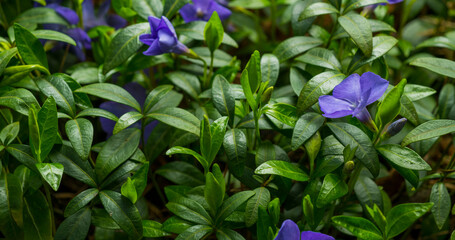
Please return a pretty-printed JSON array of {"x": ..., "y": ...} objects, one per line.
[
  {"x": 228, "y": 234},
  {"x": 359, "y": 29},
  {"x": 270, "y": 68},
  {"x": 80, "y": 201},
  {"x": 403, "y": 216},
  {"x": 260, "y": 199},
  {"x": 319, "y": 85},
  {"x": 29, "y": 47},
  {"x": 75, "y": 226},
  {"x": 213, "y": 32},
  {"x": 195, "y": 232},
  {"x": 234, "y": 144},
  {"x": 153, "y": 229},
  {"x": 140, "y": 178},
  {"x": 116, "y": 151},
  {"x": 254, "y": 71},
  {"x": 244, "y": 80},
  {"x": 218, "y": 130},
  {"x": 408, "y": 110},
  {"x": 283, "y": 112},
  {"x": 40, "y": 15},
  {"x": 74, "y": 165},
  {"x": 360, "y": 227},
  {"x": 321, "y": 57},
  {"x": 327, "y": 164},
  {"x": 37, "y": 217},
  {"x": 223, "y": 97},
  {"x": 403, "y": 157},
  {"x": 178, "y": 118},
  {"x": 9, "y": 133},
  {"x": 213, "y": 193},
  {"x": 350, "y": 135},
  {"x": 124, "y": 45},
  {"x": 381, "y": 45},
  {"x": 175, "y": 224},
  {"x": 20, "y": 100},
  {"x": 52, "y": 173},
  {"x": 195, "y": 30},
  {"x": 187, "y": 82},
  {"x": 389, "y": 108},
  {"x": 438, "y": 65},
  {"x": 56, "y": 87},
  {"x": 317, "y": 9},
  {"x": 182, "y": 173},
  {"x": 282, "y": 168},
  {"x": 126, "y": 120},
  {"x": 416, "y": 92},
  {"x": 5, "y": 57},
  {"x": 146, "y": 8},
  {"x": 187, "y": 151},
  {"x": 111, "y": 92},
  {"x": 23, "y": 154},
  {"x": 53, "y": 35},
  {"x": 446, "y": 100},
  {"x": 368, "y": 192},
  {"x": 430, "y": 129},
  {"x": 155, "y": 96},
  {"x": 441, "y": 199},
  {"x": 129, "y": 190},
  {"x": 80, "y": 134},
  {"x": 294, "y": 46},
  {"x": 97, "y": 112},
  {"x": 307, "y": 125},
  {"x": 231, "y": 204},
  {"x": 377, "y": 215},
  {"x": 332, "y": 188},
  {"x": 438, "y": 41},
  {"x": 189, "y": 210},
  {"x": 124, "y": 213},
  {"x": 172, "y": 6},
  {"x": 362, "y": 3},
  {"x": 43, "y": 128},
  {"x": 11, "y": 206}
]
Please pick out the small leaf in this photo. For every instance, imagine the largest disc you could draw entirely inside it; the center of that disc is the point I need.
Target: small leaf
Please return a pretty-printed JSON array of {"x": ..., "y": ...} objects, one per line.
[
  {"x": 305, "y": 127},
  {"x": 183, "y": 150},
  {"x": 153, "y": 229},
  {"x": 294, "y": 46},
  {"x": 223, "y": 97},
  {"x": 332, "y": 188},
  {"x": 52, "y": 173},
  {"x": 126, "y": 120},
  {"x": 189, "y": 210},
  {"x": 80, "y": 201},
  {"x": 80, "y": 134},
  {"x": 234, "y": 144},
  {"x": 9, "y": 133},
  {"x": 5, "y": 57},
  {"x": 282, "y": 168},
  {"x": 213, "y": 32},
  {"x": 389, "y": 108},
  {"x": 317, "y": 9},
  {"x": 129, "y": 190},
  {"x": 270, "y": 68},
  {"x": 283, "y": 112},
  {"x": 231, "y": 204},
  {"x": 441, "y": 199},
  {"x": 155, "y": 96},
  {"x": 244, "y": 80},
  {"x": 195, "y": 232},
  {"x": 321, "y": 57}
]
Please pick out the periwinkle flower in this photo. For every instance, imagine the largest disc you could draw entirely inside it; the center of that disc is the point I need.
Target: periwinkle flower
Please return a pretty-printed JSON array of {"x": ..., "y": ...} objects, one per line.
[
  {"x": 67, "y": 13},
  {"x": 290, "y": 231},
  {"x": 396, "y": 127},
  {"x": 162, "y": 38},
  {"x": 392, "y": 2},
  {"x": 118, "y": 109},
  {"x": 102, "y": 17},
  {"x": 202, "y": 10},
  {"x": 353, "y": 95}
]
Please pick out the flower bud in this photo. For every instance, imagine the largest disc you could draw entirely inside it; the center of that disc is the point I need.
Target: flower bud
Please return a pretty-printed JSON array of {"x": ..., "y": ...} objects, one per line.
[
  {"x": 265, "y": 97},
  {"x": 395, "y": 127},
  {"x": 348, "y": 167}
]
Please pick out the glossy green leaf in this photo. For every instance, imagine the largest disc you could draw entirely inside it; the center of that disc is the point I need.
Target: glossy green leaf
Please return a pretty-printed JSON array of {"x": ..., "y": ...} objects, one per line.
[
  {"x": 260, "y": 199},
  {"x": 172, "y": 6},
  {"x": 52, "y": 173},
  {"x": 213, "y": 193},
  {"x": 195, "y": 232},
  {"x": 80, "y": 201},
  {"x": 416, "y": 92},
  {"x": 403, "y": 216},
  {"x": 360, "y": 227},
  {"x": 9, "y": 133},
  {"x": 234, "y": 144},
  {"x": 111, "y": 92},
  {"x": 128, "y": 190},
  {"x": 441, "y": 199},
  {"x": 350, "y": 135},
  {"x": 438, "y": 65},
  {"x": 362, "y": 3},
  {"x": 408, "y": 110},
  {"x": 175, "y": 224},
  {"x": 187, "y": 151},
  {"x": 47, "y": 125},
  {"x": 403, "y": 157},
  {"x": 244, "y": 80},
  {"x": 321, "y": 57},
  {"x": 359, "y": 29},
  {"x": 20, "y": 100},
  {"x": 146, "y": 8},
  {"x": 39, "y": 15},
  {"x": 116, "y": 151},
  {"x": 217, "y": 130},
  {"x": 80, "y": 134},
  {"x": 438, "y": 41},
  {"x": 76, "y": 226},
  {"x": 126, "y": 120},
  {"x": 316, "y": 9},
  {"x": 319, "y": 85},
  {"x": 305, "y": 127},
  {"x": 270, "y": 68},
  {"x": 11, "y": 206},
  {"x": 124, "y": 45},
  {"x": 283, "y": 112},
  {"x": 29, "y": 47},
  {"x": 282, "y": 168},
  {"x": 178, "y": 118},
  {"x": 389, "y": 108},
  {"x": 182, "y": 173},
  {"x": 430, "y": 129},
  {"x": 332, "y": 188},
  {"x": 97, "y": 112},
  {"x": 381, "y": 45},
  {"x": 53, "y": 35},
  {"x": 327, "y": 164},
  {"x": 189, "y": 210},
  {"x": 37, "y": 217},
  {"x": 187, "y": 82},
  {"x": 124, "y": 213},
  {"x": 294, "y": 46},
  {"x": 155, "y": 96},
  {"x": 153, "y": 229},
  {"x": 5, "y": 57},
  {"x": 223, "y": 97},
  {"x": 231, "y": 204},
  {"x": 368, "y": 192},
  {"x": 195, "y": 30},
  {"x": 213, "y": 32},
  {"x": 56, "y": 87},
  {"x": 446, "y": 100}
]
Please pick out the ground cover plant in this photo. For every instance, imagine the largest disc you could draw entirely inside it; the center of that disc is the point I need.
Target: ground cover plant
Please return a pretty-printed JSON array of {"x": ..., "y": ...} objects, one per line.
[{"x": 217, "y": 119}]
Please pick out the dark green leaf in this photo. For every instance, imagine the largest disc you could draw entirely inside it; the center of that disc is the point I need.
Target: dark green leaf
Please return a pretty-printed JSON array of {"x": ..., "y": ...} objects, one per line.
[
  {"x": 235, "y": 147},
  {"x": 359, "y": 29},
  {"x": 360, "y": 227},
  {"x": 403, "y": 157},
  {"x": 244, "y": 80},
  {"x": 228, "y": 234},
  {"x": 37, "y": 217},
  {"x": 182, "y": 173},
  {"x": 9, "y": 133},
  {"x": 111, "y": 92},
  {"x": 231, "y": 204},
  {"x": 260, "y": 199},
  {"x": 223, "y": 98},
  {"x": 189, "y": 210},
  {"x": 381, "y": 45},
  {"x": 11, "y": 206},
  {"x": 305, "y": 127},
  {"x": 20, "y": 100},
  {"x": 80, "y": 201},
  {"x": 368, "y": 192},
  {"x": 195, "y": 232},
  {"x": 438, "y": 65},
  {"x": 29, "y": 47},
  {"x": 213, "y": 32},
  {"x": 317, "y": 9},
  {"x": 270, "y": 68},
  {"x": 441, "y": 199},
  {"x": 153, "y": 229},
  {"x": 294, "y": 46},
  {"x": 53, "y": 35},
  {"x": 97, "y": 112},
  {"x": 146, "y": 8},
  {"x": 321, "y": 57},
  {"x": 195, "y": 30},
  {"x": 332, "y": 188},
  {"x": 178, "y": 118},
  {"x": 430, "y": 129},
  {"x": 185, "y": 81},
  {"x": 56, "y": 87},
  {"x": 362, "y": 3},
  {"x": 5, "y": 57},
  {"x": 183, "y": 150},
  {"x": 403, "y": 216},
  {"x": 80, "y": 134},
  {"x": 172, "y": 6},
  {"x": 76, "y": 226},
  {"x": 126, "y": 120}
]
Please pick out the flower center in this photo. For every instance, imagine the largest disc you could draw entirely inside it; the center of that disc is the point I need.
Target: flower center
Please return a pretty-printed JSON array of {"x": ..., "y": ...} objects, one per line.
[{"x": 199, "y": 13}]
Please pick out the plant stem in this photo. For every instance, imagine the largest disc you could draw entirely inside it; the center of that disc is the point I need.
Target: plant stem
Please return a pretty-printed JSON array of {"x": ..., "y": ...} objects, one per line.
[
  {"x": 51, "y": 209},
  {"x": 212, "y": 56},
  {"x": 256, "y": 125}
]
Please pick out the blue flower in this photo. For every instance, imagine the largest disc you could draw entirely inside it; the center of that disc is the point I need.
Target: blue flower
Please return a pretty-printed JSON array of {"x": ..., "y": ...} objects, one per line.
[
  {"x": 102, "y": 17},
  {"x": 162, "y": 38},
  {"x": 290, "y": 231},
  {"x": 392, "y": 2},
  {"x": 118, "y": 109},
  {"x": 353, "y": 95},
  {"x": 202, "y": 10}
]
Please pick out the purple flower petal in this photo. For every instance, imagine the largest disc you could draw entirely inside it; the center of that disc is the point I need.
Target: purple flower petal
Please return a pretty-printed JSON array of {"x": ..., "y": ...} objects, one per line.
[
  {"x": 334, "y": 107},
  {"x": 374, "y": 82},
  {"x": 154, "y": 23},
  {"x": 137, "y": 91},
  {"x": 103, "y": 9},
  {"x": 309, "y": 235},
  {"x": 147, "y": 39},
  {"x": 167, "y": 40},
  {"x": 223, "y": 12},
  {"x": 288, "y": 231},
  {"x": 189, "y": 13},
  {"x": 202, "y": 5},
  {"x": 162, "y": 38},
  {"x": 202, "y": 10},
  {"x": 349, "y": 89},
  {"x": 180, "y": 48},
  {"x": 154, "y": 49},
  {"x": 81, "y": 37},
  {"x": 67, "y": 13},
  {"x": 116, "y": 21},
  {"x": 165, "y": 22}
]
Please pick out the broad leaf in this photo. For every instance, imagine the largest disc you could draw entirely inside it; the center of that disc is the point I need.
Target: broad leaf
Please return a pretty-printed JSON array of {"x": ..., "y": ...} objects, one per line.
[
  {"x": 332, "y": 188},
  {"x": 52, "y": 173},
  {"x": 403, "y": 157},
  {"x": 403, "y": 216},
  {"x": 178, "y": 118},
  {"x": 305, "y": 127},
  {"x": 80, "y": 201},
  {"x": 282, "y": 168},
  {"x": 360, "y": 227},
  {"x": 438, "y": 65},
  {"x": 80, "y": 134},
  {"x": 430, "y": 129},
  {"x": 111, "y": 92},
  {"x": 294, "y": 46},
  {"x": 29, "y": 47}
]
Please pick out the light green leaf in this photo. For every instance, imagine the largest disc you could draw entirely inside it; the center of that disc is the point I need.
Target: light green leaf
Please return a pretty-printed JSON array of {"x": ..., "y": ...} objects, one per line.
[
  {"x": 282, "y": 168},
  {"x": 53, "y": 35},
  {"x": 360, "y": 227},
  {"x": 438, "y": 65},
  {"x": 52, "y": 173}
]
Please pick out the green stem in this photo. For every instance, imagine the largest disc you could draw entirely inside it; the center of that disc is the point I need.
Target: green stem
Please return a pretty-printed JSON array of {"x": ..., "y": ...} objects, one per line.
[
  {"x": 204, "y": 78},
  {"x": 51, "y": 209},
  {"x": 256, "y": 125},
  {"x": 212, "y": 56}
]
